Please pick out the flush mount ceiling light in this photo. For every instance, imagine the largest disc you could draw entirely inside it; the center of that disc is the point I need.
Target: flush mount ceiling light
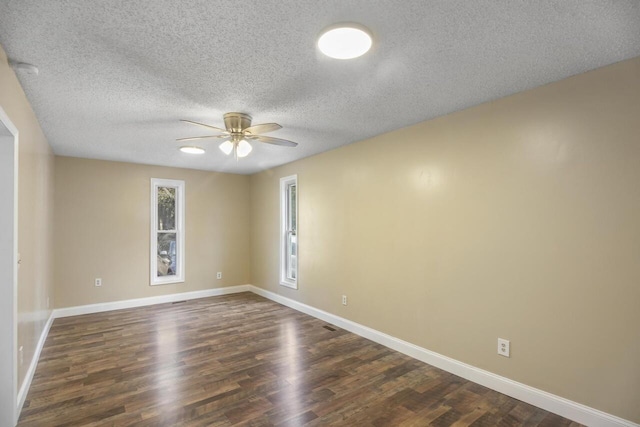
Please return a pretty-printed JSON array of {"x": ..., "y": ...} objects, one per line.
[
  {"x": 191, "y": 149},
  {"x": 239, "y": 132},
  {"x": 345, "y": 41}
]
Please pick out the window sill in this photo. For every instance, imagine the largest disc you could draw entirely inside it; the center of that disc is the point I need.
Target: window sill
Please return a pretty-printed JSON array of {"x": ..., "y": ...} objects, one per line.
[
  {"x": 289, "y": 284},
  {"x": 167, "y": 281}
]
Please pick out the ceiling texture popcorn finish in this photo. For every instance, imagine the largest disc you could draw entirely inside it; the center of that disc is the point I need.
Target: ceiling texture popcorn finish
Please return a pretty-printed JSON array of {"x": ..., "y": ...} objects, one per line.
[{"x": 116, "y": 76}]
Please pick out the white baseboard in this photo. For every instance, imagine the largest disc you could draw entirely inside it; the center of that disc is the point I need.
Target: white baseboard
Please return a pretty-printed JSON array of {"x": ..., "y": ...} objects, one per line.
[
  {"x": 141, "y": 302},
  {"x": 26, "y": 383},
  {"x": 558, "y": 405}
]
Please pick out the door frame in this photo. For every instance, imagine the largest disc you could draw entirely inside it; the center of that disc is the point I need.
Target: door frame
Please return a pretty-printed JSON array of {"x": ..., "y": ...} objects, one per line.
[{"x": 9, "y": 288}]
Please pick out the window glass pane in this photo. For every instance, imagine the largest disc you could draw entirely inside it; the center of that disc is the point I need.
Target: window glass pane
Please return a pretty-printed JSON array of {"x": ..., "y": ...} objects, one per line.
[
  {"x": 292, "y": 256},
  {"x": 292, "y": 208},
  {"x": 291, "y": 238},
  {"x": 166, "y": 208},
  {"x": 167, "y": 254}
]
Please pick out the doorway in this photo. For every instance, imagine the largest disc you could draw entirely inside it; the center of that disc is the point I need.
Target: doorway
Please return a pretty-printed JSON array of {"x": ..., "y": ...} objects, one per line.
[{"x": 8, "y": 270}]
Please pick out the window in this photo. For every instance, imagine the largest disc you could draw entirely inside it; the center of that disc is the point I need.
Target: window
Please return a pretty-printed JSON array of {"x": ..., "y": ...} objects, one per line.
[
  {"x": 289, "y": 231},
  {"x": 167, "y": 231}
]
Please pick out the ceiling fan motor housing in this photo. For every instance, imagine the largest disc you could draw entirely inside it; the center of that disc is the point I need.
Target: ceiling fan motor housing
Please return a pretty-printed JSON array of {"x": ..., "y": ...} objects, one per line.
[{"x": 237, "y": 122}]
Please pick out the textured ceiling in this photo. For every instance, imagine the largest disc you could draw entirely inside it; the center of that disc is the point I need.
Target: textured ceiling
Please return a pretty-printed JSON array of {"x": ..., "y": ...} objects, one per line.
[{"x": 115, "y": 76}]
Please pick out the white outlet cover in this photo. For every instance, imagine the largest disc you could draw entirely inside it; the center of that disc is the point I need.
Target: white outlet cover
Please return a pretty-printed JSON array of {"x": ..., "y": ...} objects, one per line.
[
  {"x": 98, "y": 282},
  {"x": 219, "y": 275},
  {"x": 503, "y": 347}
]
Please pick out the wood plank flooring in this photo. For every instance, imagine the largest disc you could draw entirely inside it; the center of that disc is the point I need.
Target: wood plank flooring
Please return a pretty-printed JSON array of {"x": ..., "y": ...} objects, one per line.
[{"x": 244, "y": 360}]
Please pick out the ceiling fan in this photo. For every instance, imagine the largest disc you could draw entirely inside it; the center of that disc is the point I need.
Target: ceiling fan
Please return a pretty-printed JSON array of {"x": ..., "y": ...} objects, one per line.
[{"x": 239, "y": 132}]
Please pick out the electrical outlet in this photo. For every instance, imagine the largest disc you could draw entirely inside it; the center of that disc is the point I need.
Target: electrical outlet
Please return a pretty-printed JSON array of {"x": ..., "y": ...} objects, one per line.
[
  {"x": 219, "y": 275},
  {"x": 503, "y": 347},
  {"x": 344, "y": 300},
  {"x": 98, "y": 281},
  {"x": 21, "y": 352},
  {"x": 47, "y": 302}
]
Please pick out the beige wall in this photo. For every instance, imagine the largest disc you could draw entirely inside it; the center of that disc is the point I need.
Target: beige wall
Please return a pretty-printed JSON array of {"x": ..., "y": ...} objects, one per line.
[
  {"x": 518, "y": 219},
  {"x": 102, "y": 222},
  {"x": 35, "y": 215}
]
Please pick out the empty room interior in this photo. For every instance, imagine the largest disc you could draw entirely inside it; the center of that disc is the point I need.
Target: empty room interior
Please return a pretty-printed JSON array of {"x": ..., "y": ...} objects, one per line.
[{"x": 337, "y": 213}]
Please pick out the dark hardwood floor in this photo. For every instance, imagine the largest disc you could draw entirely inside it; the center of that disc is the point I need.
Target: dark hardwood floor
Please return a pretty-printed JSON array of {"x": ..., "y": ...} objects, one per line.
[{"x": 244, "y": 360}]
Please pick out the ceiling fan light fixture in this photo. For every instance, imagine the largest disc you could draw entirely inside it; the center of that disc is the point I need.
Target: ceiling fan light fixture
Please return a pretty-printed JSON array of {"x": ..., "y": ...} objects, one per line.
[
  {"x": 244, "y": 148},
  {"x": 226, "y": 147},
  {"x": 191, "y": 149},
  {"x": 345, "y": 41},
  {"x": 237, "y": 128}
]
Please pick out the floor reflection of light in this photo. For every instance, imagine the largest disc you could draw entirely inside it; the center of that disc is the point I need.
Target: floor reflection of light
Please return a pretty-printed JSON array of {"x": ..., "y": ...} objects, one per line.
[
  {"x": 165, "y": 376},
  {"x": 293, "y": 369}
]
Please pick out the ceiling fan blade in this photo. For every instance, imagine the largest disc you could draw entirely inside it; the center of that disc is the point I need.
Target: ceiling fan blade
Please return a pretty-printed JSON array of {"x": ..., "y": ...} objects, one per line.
[
  {"x": 263, "y": 128},
  {"x": 274, "y": 141},
  {"x": 202, "y": 137},
  {"x": 207, "y": 126}
]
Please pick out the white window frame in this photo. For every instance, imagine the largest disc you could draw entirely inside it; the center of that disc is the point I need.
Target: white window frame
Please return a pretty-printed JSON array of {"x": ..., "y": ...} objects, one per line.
[
  {"x": 180, "y": 255},
  {"x": 284, "y": 225}
]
